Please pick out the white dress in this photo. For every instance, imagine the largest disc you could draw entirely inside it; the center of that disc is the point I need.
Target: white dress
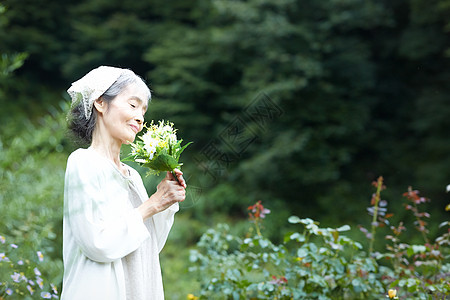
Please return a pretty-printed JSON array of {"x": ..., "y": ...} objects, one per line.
[{"x": 109, "y": 252}]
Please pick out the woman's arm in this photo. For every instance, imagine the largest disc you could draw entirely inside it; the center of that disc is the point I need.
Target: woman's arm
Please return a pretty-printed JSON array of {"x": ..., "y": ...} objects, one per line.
[{"x": 103, "y": 231}]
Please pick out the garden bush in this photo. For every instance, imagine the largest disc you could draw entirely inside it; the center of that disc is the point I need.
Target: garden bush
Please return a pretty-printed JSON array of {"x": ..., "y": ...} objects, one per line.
[
  {"x": 323, "y": 263},
  {"x": 32, "y": 165}
]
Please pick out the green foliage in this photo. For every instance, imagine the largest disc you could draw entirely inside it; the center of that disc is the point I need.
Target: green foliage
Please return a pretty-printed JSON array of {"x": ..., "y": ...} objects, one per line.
[
  {"x": 361, "y": 88},
  {"x": 31, "y": 190},
  {"x": 359, "y": 83},
  {"x": 20, "y": 277},
  {"x": 37, "y": 28},
  {"x": 9, "y": 63},
  {"x": 312, "y": 264},
  {"x": 22, "y": 233},
  {"x": 335, "y": 68},
  {"x": 317, "y": 263}
]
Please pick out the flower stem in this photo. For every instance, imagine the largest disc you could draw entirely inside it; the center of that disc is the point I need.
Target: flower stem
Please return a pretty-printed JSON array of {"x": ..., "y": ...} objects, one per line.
[
  {"x": 258, "y": 231},
  {"x": 375, "y": 212},
  {"x": 421, "y": 228}
]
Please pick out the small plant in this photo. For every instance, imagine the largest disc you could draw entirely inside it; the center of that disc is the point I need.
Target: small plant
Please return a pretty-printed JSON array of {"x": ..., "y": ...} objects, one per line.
[
  {"x": 257, "y": 213},
  {"x": 414, "y": 201},
  {"x": 419, "y": 269},
  {"x": 20, "y": 276},
  {"x": 378, "y": 211}
]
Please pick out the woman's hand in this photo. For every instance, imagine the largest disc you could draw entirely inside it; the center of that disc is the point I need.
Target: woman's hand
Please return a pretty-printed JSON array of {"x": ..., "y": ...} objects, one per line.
[
  {"x": 180, "y": 178},
  {"x": 167, "y": 193}
]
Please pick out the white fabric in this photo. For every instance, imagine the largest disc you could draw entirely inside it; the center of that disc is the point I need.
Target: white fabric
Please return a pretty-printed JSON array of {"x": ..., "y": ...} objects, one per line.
[
  {"x": 102, "y": 232},
  {"x": 92, "y": 85},
  {"x": 137, "y": 265}
]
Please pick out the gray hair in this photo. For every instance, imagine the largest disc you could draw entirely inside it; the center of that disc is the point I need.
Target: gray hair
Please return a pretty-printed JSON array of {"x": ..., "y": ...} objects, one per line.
[{"x": 81, "y": 128}]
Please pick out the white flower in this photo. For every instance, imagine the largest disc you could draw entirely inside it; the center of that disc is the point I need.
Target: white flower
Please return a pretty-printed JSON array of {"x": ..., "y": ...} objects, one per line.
[
  {"x": 40, "y": 282},
  {"x": 148, "y": 140},
  {"x": 150, "y": 149},
  {"x": 40, "y": 255},
  {"x": 140, "y": 160},
  {"x": 146, "y": 137},
  {"x": 151, "y": 152},
  {"x": 172, "y": 138},
  {"x": 3, "y": 257},
  {"x": 150, "y": 144},
  {"x": 448, "y": 188},
  {"x": 15, "y": 277},
  {"x": 30, "y": 289}
]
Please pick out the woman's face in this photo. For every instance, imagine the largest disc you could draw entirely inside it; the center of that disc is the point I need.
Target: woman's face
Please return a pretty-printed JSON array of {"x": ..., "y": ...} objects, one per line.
[{"x": 124, "y": 116}]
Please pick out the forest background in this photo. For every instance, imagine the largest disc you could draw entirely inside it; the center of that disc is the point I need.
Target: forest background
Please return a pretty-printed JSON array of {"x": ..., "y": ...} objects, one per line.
[{"x": 299, "y": 104}]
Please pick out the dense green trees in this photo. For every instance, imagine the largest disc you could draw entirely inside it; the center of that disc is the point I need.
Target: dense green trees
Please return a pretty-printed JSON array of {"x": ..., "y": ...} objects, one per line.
[
  {"x": 357, "y": 88},
  {"x": 353, "y": 79}
]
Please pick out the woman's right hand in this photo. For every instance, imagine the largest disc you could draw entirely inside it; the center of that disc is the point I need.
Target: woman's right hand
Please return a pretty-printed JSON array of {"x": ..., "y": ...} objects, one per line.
[{"x": 167, "y": 193}]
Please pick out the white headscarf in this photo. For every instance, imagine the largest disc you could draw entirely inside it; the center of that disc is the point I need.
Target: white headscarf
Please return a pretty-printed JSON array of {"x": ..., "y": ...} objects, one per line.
[{"x": 92, "y": 85}]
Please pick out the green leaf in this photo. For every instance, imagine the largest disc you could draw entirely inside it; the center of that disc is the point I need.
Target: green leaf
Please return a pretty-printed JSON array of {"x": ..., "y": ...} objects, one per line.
[
  {"x": 263, "y": 243},
  {"x": 128, "y": 158},
  {"x": 414, "y": 249},
  {"x": 343, "y": 228},
  {"x": 444, "y": 223},
  {"x": 163, "y": 162},
  {"x": 297, "y": 236},
  {"x": 302, "y": 253},
  {"x": 410, "y": 252},
  {"x": 358, "y": 245},
  {"x": 294, "y": 220},
  {"x": 287, "y": 237},
  {"x": 182, "y": 149},
  {"x": 412, "y": 285}
]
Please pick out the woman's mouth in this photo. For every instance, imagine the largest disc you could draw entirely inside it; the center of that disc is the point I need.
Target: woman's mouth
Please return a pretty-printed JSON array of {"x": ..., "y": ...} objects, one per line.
[{"x": 134, "y": 128}]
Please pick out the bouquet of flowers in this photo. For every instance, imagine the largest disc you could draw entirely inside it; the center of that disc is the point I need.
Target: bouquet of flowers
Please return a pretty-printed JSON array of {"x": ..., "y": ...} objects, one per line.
[{"x": 158, "y": 148}]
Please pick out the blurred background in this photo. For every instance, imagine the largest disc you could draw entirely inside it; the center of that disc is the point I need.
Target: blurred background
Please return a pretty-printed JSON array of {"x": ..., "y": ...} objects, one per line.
[{"x": 299, "y": 104}]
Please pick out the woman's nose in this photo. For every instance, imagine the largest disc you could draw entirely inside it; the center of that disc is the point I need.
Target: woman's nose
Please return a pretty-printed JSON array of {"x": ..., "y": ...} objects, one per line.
[{"x": 140, "y": 119}]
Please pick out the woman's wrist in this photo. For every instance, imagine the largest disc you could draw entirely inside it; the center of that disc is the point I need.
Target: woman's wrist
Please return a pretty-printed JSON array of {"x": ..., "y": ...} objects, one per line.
[{"x": 148, "y": 208}]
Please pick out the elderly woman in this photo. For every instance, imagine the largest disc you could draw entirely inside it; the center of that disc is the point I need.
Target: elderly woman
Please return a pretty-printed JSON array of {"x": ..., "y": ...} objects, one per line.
[{"x": 113, "y": 232}]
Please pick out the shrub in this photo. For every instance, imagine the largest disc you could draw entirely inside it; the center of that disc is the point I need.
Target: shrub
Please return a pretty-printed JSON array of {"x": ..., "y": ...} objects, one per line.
[
  {"x": 321, "y": 263},
  {"x": 32, "y": 166}
]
